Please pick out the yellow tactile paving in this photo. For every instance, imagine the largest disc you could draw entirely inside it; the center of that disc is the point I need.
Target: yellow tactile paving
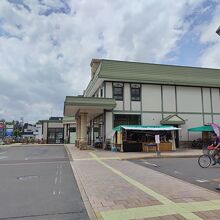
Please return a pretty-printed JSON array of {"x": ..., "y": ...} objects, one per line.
[
  {"x": 169, "y": 208},
  {"x": 101, "y": 158}
]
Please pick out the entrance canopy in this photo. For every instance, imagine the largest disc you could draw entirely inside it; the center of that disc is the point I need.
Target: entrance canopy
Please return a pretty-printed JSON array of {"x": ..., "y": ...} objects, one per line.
[
  {"x": 207, "y": 128},
  {"x": 145, "y": 128},
  {"x": 172, "y": 120},
  {"x": 74, "y": 105}
]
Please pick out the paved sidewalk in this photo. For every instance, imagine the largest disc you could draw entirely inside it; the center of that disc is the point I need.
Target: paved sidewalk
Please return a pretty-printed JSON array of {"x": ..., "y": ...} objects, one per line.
[{"x": 115, "y": 189}]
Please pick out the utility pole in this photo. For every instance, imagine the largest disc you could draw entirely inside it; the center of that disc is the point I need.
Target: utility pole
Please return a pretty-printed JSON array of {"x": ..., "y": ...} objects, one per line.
[{"x": 218, "y": 31}]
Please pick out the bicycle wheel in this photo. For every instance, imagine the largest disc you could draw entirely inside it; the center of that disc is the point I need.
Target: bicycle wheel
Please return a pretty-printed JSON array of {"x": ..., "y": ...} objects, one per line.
[{"x": 204, "y": 161}]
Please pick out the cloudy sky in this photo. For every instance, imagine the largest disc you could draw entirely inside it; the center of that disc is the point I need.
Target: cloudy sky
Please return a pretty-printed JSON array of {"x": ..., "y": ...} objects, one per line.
[{"x": 46, "y": 45}]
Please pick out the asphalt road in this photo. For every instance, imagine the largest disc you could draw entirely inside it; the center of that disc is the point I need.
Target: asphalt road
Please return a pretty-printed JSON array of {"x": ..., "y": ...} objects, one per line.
[
  {"x": 37, "y": 183},
  {"x": 186, "y": 169}
]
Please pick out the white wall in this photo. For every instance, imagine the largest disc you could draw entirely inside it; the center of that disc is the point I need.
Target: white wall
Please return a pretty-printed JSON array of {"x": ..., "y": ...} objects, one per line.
[
  {"x": 215, "y": 100},
  {"x": 108, "y": 90},
  {"x": 39, "y": 134},
  {"x": 45, "y": 130},
  {"x": 189, "y": 99},
  {"x": 216, "y": 119},
  {"x": 207, "y": 119},
  {"x": 151, "y": 118},
  {"x": 151, "y": 98},
  {"x": 55, "y": 125},
  {"x": 108, "y": 125},
  {"x": 135, "y": 106},
  {"x": 206, "y": 100},
  {"x": 192, "y": 120},
  {"x": 119, "y": 105},
  {"x": 127, "y": 97},
  {"x": 169, "y": 98}
]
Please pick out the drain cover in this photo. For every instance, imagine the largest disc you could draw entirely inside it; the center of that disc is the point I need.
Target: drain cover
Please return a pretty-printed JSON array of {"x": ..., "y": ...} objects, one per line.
[{"x": 28, "y": 177}]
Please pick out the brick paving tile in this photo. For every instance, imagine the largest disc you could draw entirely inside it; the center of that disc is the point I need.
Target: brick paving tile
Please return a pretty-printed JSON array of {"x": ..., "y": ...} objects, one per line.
[
  {"x": 208, "y": 214},
  {"x": 155, "y": 218},
  {"x": 167, "y": 217},
  {"x": 217, "y": 212},
  {"x": 172, "y": 188},
  {"x": 118, "y": 187},
  {"x": 217, "y": 218},
  {"x": 172, "y": 217},
  {"x": 100, "y": 183}
]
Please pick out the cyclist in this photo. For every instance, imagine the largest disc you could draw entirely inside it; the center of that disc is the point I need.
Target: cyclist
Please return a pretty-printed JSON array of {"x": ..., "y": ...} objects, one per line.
[{"x": 216, "y": 154}]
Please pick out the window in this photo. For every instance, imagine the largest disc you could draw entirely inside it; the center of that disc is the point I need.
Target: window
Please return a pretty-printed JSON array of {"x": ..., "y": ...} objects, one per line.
[
  {"x": 118, "y": 91},
  {"x": 135, "y": 92},
  {"x": 72, "y": 129},
  {"x": 55, "y": 135},
  {"x": 125, "y": 119},
  {"x": 101, "y": 92}
]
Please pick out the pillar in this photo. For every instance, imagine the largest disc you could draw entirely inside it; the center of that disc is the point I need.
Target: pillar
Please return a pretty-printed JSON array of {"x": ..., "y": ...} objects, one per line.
[
  {"x": 173, "y": 140},
  {"x": 78, "y": 128},
  {"x": 83, "y": 131}
]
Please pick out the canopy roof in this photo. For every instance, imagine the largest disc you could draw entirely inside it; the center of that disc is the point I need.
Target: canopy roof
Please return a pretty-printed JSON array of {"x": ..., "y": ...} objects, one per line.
[
  {"x": 172, "y": 120},
  {"x": 201, "y": 128},
  {"x": 74, "y": 105},
  {"x": 145, "y": 128}
]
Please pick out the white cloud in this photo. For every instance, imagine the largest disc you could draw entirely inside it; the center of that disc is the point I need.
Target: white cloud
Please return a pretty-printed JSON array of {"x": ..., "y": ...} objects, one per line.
[
  {"x": 208, "y": 37},
  {"x": 44, "y": 58}
]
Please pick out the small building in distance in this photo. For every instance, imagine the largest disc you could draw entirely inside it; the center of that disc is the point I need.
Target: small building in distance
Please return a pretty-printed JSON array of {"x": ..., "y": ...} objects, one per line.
[{"x": 57, "y": 130}]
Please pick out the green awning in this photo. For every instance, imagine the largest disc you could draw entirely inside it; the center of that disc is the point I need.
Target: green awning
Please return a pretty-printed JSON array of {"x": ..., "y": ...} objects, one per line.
[
  {"x": 207, "y": 128},
  {"x": 146, "y": 128}
]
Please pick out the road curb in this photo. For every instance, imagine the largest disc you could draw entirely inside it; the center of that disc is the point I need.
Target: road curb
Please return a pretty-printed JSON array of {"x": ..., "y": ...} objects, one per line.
[
  {"x": 31, "y": 145},
  {"x": 85, "y": 199},
  {"x": 162, "y": 156}
]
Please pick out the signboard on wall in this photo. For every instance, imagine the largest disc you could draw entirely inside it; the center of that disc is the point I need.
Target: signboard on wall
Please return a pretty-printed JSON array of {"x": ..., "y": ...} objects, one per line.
[
  {"x": 157, "y": 139},
  {"x": 9, "y": 126},
  {"x": 1, "y": 125},
  {"x": 8, "y": 132}
]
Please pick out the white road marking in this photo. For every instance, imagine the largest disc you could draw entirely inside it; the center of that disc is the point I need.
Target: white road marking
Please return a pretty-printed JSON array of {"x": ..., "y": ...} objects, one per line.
[
  {"x": 58, "y": 176},
  {"x": 60, "y": 172},
  {"x": 3, "y": 157},
  {"x": 57, "y": 172},
  {"x": 177, "y": 172},
  {"x": 3, "y": 152},
  {"x": 202, "y": 181},
  {"x": 151, "y": 164},
  {"x": 60, "y": 179},
  {"x": 36, "y": 163}
]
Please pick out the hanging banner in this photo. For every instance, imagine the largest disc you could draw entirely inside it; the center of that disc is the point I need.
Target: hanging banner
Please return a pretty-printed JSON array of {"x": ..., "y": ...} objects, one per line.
[{"x": 215, "y": 128}]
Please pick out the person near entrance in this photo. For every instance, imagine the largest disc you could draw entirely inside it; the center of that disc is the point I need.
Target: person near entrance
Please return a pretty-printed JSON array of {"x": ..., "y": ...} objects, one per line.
[{"x": 98, "y": 142}]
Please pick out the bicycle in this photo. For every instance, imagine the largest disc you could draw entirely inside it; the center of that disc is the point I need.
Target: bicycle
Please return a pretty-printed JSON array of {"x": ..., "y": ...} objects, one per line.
[
  {"x": 206, "y": 159},
  {"x": 197, "y": 144}
]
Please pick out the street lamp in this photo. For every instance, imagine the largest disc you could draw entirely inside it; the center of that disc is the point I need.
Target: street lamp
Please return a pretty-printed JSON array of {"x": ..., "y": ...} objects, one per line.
[{"x": 218, "y": 31}]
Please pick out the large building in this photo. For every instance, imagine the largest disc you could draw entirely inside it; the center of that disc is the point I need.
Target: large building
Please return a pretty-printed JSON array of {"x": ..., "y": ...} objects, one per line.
[{"x": 132, "y": 93}]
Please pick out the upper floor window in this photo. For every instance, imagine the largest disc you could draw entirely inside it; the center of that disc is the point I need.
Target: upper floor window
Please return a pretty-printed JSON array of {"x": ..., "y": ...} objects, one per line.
[
  {"x": 135, "y": 92},
  {"x": 101, "y": 92},
  {"x": 118, "y": 91}
]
